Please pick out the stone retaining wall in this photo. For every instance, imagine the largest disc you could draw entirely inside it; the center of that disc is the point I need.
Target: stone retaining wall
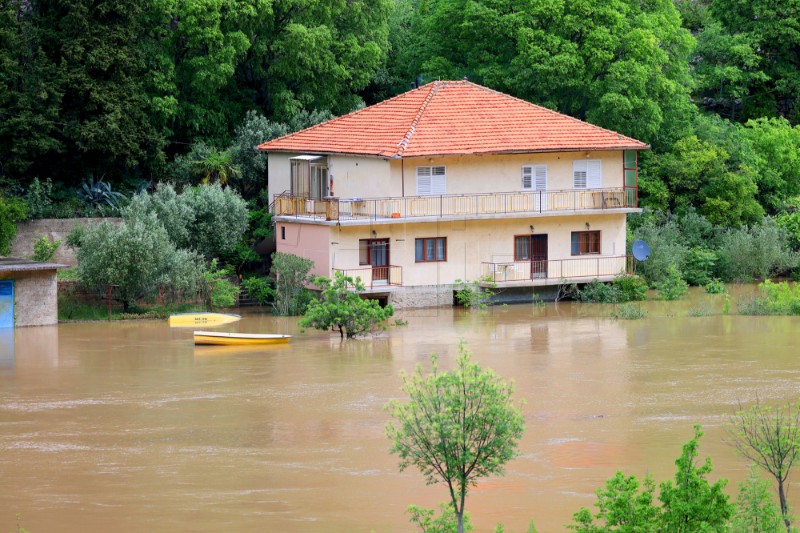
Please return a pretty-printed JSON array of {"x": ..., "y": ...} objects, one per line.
[{"x": 53, "y": 228}]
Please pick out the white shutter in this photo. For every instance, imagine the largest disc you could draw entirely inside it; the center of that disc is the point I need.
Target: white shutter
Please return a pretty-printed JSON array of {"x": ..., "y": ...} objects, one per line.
[
  {"x": 541, "y": 178},
  {"x": 594, "y": 174},
  {"x": 431, "y": 180},
  {"x": 534, "y": 177},
  {"x": 423, "y": 181},
  {"x": 579, "y": 174},
  {"x": 438, "y": 180},
  {"x": 527, "y": 177}
]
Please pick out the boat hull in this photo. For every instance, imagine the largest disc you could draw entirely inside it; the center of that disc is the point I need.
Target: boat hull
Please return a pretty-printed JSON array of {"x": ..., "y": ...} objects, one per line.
[
  {"x": 193, "y": 320},
  {"x": 214, "y": 338}
]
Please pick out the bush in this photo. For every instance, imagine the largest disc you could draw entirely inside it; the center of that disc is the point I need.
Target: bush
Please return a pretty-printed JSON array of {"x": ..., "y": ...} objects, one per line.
[
  {"x": 667, "y": 244},
  {"x": 629, "y": 311},
  {"x": 773, "y": 299},
  {"x": 755, "y": 509},
  {"x": 44, "y": 249},
  {"x": 341, "y": 308},
  {"x": 137, "y": 257},
  {"x": 715, "y": 286},
  {"x": 12, "y": 210},
  {"x": 290, "y": 277},
  {"x": 698, "y": 266},
  {"x": 757, "y": 252},
  {"x": 259, "y": 289},
  {"x": 673, "y": 286},
  {"x": 39, "y": 198},
  {"x": 629, "y": 288},
  {"x": 595, "y": 292},
  {"x": 474, "y": 295}
]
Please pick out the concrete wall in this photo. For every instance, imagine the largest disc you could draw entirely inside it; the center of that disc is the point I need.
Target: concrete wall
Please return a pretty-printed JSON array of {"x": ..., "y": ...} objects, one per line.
[
  {"x": 55, "y": 229},
  {"x": 35, "y": 297},
  {"x": 307, "y": 240}
]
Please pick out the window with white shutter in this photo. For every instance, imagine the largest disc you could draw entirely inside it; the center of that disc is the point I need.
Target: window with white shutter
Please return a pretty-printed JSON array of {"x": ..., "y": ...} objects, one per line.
[
  {"x": 534, "y": 177},
  {"x": 587, "y": 174},
  {"x": 431, "y": 181}
]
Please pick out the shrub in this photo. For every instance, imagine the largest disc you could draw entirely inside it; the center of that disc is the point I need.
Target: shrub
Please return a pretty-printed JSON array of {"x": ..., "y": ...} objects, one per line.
[
  {"x": 595, "y": 292},
  {"x": 630, "y": 288},
  {"x": 137, "y": 257},
  {"x": 773, "y": 299},
  {"x": 715, "y": 286},
  {"x": 757, "y": 252},
  {"x": 98, "y": 195},
  {"x": 220, "y": 219},
  {"x": 44, "y": 249},
  {"x": 290, "y": 277},
  {"x": 629, "y": 311},
  {"x": 673, "y": 286},
  {"x": 341, "y": 308},
  {"x": 12, "y": 210},
  {"x": 39, "y": 198},
  {"x": 698, "y": 266},
  {"x": 476, "y": 294},
  {"x": 259, "y": 289},
  {"x": 755, "y": 509},
  {"x": 662, "y": 232}
]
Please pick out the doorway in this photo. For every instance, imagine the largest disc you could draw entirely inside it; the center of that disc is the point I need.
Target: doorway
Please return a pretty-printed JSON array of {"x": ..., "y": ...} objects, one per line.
[
  {"x": 375, "y": 252},
  {"x": 7, "y": 304},
  {"x": 532, "y": 248}
]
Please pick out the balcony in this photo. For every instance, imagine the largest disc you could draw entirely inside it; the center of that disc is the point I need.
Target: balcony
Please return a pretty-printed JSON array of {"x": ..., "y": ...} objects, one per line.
[
  {"x": 459, "y": 206},
  {"x": 375, "y": 278},
  {"x": 557, "y": 271}
]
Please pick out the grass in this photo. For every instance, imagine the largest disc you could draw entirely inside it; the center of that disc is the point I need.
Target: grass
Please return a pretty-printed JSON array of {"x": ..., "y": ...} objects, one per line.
[{"x": 68, "y": 274}]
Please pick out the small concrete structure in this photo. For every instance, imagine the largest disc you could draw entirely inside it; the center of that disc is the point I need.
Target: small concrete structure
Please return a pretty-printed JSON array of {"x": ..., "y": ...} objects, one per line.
[{"x": 32, "y": 290}]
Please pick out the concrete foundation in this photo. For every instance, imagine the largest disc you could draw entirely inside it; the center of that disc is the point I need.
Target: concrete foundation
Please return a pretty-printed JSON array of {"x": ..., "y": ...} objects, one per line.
[{"x": 422, "y": 296}]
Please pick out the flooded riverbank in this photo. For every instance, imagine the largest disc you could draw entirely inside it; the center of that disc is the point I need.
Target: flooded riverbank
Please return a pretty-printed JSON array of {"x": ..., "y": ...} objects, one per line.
[{"x": 129, "y": 427}]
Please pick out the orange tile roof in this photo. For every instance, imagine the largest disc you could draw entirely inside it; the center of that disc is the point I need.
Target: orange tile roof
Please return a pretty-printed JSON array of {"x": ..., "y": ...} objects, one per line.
[{"x": 451, "y": 118}]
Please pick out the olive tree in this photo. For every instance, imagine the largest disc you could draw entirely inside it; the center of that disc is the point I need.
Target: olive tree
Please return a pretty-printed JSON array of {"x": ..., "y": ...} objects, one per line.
[
  {"x": 290, "y": 276},
  {"x": 136, "y": 257},
  {"x": 770, "y": 438},
  {"x": 341, "y": 308},
  {"x": 456, "y": 426}
]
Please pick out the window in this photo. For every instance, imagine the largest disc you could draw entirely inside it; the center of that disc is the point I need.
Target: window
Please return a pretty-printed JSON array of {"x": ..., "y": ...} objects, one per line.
[
  {"x": 433, "y": 249},
  {"x": 585, "y": 242},
  {"x": 283, "y": 233},
  {"x": 587, "y": 174},
  {"x": 431, "y": 181},
  {"x": 309, "y": 176},
  {"x": 534, "y": 177}
]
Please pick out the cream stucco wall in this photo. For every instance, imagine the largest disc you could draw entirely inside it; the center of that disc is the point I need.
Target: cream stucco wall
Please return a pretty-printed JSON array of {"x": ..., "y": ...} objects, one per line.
[
  {"x": 369, "y": 177},
  {"x": 470, "y": 243}
]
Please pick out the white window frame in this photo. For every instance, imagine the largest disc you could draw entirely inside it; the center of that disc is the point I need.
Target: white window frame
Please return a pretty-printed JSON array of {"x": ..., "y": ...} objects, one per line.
[
  {"x": 534, "y": 177},
  {"x": 587, "y": 174},
  {"x": 431, "y": 180}
]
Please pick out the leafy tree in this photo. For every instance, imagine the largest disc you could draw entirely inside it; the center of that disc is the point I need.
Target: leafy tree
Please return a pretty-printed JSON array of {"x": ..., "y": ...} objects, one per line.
[
  {"x": 624, "y": 505},
  {"x": 456, "y": 426},
  {"x": 756, "y": 512},
  {"x": 136, "y": 257},
  {"x": 770, "y": 29},
  {"x": 758, "y": 251},
  {"x": 174, "y": 214},
  {"x": 216, "y": 167},
  {"x": 12, "y": 210},
  {"x": 693, "y": 504},
  {"x": 220, "y": 219},
  {"x": 770, "y": 438},
  {"x": 290, "y": 277},
  {"x": 620, "y": 64},
  {"x": 341, "y": 308}
]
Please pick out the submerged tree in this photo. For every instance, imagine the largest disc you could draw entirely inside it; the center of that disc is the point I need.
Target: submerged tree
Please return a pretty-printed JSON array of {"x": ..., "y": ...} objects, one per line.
[
  {"x": 341, "y": 308},
  {"x": 770, "y": 438},
  {"x": 456, "y": 427}
]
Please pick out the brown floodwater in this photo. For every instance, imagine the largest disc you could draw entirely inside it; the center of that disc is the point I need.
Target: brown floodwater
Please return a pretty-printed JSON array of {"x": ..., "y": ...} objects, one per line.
[{"x": 128, "y": 427}]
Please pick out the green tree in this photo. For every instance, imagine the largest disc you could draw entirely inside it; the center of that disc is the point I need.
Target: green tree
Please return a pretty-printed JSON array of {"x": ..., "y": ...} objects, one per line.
[
  {"x": 693, "y": 504},
  {"x": 12, "y": 210},
  {"x": 624, "y": 505},
  {"x": 770, "y": 438},
  {"x": 136, "y": 257},
  {"x": 756, "y": 511},
  {"x": 220, "y": 219},
  {"x": 290, "y": 277},
  {"x": 341, "y": 308},
  {"x": 456, "y": 426}
]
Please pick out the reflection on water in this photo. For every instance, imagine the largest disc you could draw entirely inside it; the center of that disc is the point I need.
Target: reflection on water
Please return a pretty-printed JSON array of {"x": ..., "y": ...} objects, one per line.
[{"x": 130, "y": 427}]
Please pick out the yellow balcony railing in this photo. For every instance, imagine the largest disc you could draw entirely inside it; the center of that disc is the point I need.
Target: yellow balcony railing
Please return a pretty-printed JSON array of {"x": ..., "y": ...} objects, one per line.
[
  {"x": 375, "y": 276},
  {"x": 456, "y": 205},
  {"x": 585, "y": 267}
]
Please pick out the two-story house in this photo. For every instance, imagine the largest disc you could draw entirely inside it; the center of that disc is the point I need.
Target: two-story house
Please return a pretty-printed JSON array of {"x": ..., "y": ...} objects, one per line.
[{"x": 452, "y": 180}]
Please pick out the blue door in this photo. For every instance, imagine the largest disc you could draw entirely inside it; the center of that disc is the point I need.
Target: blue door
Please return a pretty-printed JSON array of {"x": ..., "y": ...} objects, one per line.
[{"x": 6, "y": 303}]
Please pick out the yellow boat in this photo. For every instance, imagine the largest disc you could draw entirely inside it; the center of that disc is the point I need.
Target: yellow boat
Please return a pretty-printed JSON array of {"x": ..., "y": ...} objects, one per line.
[
  {"x": 238, "y": 339},
  {"x": 192, "y": 320}
]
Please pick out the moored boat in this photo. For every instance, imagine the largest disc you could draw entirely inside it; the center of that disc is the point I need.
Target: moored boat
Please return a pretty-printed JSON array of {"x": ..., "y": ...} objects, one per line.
[
  {"x": 192, "y": 320},
  {"x": 238, "y": 339}
]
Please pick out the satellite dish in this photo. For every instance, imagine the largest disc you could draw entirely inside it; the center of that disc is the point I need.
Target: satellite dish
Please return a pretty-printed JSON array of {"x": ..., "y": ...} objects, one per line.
[{"x": 641, "y": 251}]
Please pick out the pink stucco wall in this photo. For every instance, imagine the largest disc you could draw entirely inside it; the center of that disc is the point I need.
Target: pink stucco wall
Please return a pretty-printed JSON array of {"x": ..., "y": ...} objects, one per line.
[{"x": 306, "y": 240}]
